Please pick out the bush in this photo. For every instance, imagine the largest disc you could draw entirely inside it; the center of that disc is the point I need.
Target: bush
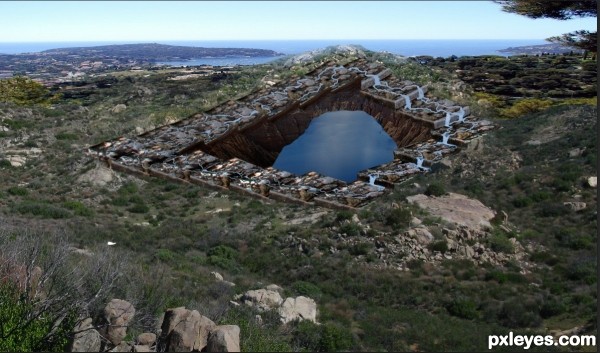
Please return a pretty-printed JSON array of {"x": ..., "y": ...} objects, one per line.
[
  {"x": 165, "y": 255},
  {"x": 68, "y": 136},
  {"x": 17, "y": 337},
  {"x": 435, "y": 189},
  {"x": 328, "y": 337},
  {"x": 41, "y": 209},
  {"x": 463, "y": 308},
  {"x": 351, "y": 229},
  {"x": 78, "y": 208},
  {"x": 440, "y": 245},
  {"x": 398, "y": 217},
  {"x": 526, "y": 106},
  {"x": 500, "y": 243},
  {"x": 18, "y": 191},
  {"x": 360, "y": 249},
  {"x": 307, "y": 289},
  {"x": 223, "y": 256}
]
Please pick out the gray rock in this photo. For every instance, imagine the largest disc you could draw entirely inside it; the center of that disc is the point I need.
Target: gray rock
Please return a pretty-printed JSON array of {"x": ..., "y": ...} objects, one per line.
[
  {"x": 592, "y": 181},
  {"x": 299, "y": 308},
  {"x": 185, "y": 330},
  {"x": 118, "y": 314},
  {"x": 262, "y": 299},
  {"x": 224, "y": 338},
  {"x": 575, "y": 206},
  {"x": 146, "y": 339},
  {"x": 86, "y": 338}
]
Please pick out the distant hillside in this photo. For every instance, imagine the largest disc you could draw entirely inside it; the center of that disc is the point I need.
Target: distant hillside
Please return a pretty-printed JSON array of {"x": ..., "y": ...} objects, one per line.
[
  {"x": 159, "y": 52},
  {"x": 550, "y": 48}
]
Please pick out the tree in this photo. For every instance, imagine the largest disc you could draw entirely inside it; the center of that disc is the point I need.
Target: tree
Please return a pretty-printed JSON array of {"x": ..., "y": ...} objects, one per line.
[{"x": 560, "y": 10}]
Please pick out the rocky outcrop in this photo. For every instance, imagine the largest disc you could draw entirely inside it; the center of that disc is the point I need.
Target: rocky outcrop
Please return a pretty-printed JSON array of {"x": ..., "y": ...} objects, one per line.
[
  {"x": 457, "y": 209},
  {"x": 269, "y": 298},
  {"x": 299, "y": 308},
  {"x": 262, "y": 299},
  {"x": 181, "y": 330}
]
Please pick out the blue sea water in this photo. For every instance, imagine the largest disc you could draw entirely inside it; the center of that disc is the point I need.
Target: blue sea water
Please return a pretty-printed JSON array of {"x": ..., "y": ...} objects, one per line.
[{"x": 406, "y": 47}]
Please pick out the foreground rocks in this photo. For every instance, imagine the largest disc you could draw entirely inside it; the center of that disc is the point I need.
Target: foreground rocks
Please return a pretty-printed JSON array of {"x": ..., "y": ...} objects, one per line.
[{"x": 182, "y": 330}]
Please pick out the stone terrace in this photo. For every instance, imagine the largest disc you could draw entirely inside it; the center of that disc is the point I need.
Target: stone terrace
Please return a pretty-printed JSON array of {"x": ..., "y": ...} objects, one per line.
[{"x": 233, "y": 145}]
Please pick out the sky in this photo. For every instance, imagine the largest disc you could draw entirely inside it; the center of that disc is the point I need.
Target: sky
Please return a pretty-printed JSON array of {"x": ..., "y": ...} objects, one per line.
[{"x": 63, "y": 21}]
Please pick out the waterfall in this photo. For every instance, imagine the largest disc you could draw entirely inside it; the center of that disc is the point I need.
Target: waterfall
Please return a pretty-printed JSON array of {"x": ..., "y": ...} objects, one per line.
[
  {"x": 421, "y": 95},
  {"x": 461, "y": 115},
  {"x": 445, "y": 137},
  {"x": 372, "y": 178},
  {"x": 376, "y": 80},
  {"x": 419, "y": 162},
  {"x": 447, "y": 121},
  {"x": 407, "y": 104}
]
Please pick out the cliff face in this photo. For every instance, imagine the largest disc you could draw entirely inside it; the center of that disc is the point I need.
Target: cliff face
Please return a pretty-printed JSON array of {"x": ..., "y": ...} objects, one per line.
[{"x": 261, "y": 143}]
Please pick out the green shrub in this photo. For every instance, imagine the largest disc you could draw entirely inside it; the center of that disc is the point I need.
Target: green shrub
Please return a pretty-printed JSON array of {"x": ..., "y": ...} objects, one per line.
[
  {"x": 500, "y": 243},
  {"x": 522, "y": 201},
  {"x": 526, "y": 106},
  {"x": 398, "y": 217},
  {"x": 40, "y": 334},
  {"x": 327, "y": 337},
  {"x": 343, "y": 216},
  {"x": 463, "y": 308},
  {"x": 139, "y": 208},
  {"x": 128, "y": 188},
  {"x": 41, "y": 209},
  {"x": 351, "y": 229},
  {"x": 360, "y": 249},
  {"x": 18, "y": 191},
  {"x": 440, "y": 245},
  {"x": 165, "y": 255},
  {"x": 78, "y": 208},
  {"x": 307, "y": 289},
  {"x": 223, "y": 256},
  {"x": 435, "y": 189},
  {"x": 68, "y": 136}
]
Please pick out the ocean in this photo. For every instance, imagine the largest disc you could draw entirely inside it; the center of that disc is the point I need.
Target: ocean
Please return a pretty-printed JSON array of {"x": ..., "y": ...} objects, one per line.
[{"x": 405, "y": 47}]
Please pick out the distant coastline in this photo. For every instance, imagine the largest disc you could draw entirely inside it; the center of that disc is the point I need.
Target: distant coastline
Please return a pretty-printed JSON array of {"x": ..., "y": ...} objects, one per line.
[
  {"x": 405, "y": 47},
  {"x": 549, "y": 48}
]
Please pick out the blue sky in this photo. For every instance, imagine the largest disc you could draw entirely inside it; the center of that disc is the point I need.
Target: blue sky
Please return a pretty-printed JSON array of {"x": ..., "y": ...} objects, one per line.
[{"x": 54, "y": 21}]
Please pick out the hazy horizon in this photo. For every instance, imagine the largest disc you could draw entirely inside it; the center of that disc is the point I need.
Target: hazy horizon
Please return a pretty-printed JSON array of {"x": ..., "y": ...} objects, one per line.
[{"x": 79, "y": 21}]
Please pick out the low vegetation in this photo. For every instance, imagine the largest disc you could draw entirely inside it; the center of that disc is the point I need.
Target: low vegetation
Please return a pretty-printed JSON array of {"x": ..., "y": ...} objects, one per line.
[{"x": 169, "y": 237}]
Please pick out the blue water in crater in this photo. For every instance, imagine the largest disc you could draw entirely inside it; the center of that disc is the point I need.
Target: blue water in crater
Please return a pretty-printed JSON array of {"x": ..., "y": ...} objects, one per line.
[{"x": 338, "y": 144}]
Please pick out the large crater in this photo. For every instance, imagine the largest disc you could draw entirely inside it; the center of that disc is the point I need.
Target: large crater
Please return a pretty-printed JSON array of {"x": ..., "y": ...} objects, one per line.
[{"x": 234, "y": 145}]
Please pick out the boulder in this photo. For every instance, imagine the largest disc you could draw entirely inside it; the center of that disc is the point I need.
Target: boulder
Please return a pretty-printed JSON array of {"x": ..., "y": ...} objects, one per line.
[
  {"x": 141, "y": 348},
  {"x": 185, "y": 330},
  {"x": 146, "y": 339},
  {"x": 575, "y": 206},
  {"x": 217, "y": 276},
  {"x": 118, "y": 314},
  {"x": 119, "y": 108},
  {"x": 421, "y": 235},
  {"x": 262, "y": 299},
  {"x": 99, "y": 176},
  {"x": 299, "y": 308},
  {"x": 86, "y": 338},
  {"x": 224, "y": 338},
  {"x": 121, "y": 347},
  {"x": 592, "y": 181}
]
